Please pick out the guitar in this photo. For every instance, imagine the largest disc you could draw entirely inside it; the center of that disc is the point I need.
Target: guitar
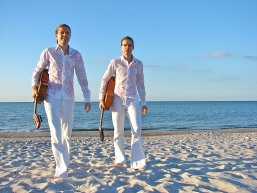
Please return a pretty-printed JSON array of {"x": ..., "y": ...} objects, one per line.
[
  {"x": 107, "y": 103},
  {"x": 42, "y": 90},
  {"x": 37, "y": 118}
]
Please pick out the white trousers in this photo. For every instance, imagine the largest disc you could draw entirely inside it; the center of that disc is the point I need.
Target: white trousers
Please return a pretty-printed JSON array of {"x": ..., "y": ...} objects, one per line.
[
  {"x": 118, "y": 115},
  {"x": 60, "y": 118}
]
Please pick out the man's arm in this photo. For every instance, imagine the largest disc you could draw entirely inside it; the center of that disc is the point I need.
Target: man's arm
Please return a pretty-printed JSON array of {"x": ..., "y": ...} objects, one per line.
[
  {"x": 82, "y": 77},
  {"x": 106, "y": 77},
  {"x": 141, "y": 85},
  {"x": 34, "y": 92},
  {"x": 41, "y": 65}
]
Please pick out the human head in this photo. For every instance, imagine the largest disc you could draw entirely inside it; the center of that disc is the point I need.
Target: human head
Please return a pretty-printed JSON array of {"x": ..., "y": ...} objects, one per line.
[
  {"x": 127, "y": 38},
  {"x": 59, "y": 26},
  {"x": 127, "y": 46}
]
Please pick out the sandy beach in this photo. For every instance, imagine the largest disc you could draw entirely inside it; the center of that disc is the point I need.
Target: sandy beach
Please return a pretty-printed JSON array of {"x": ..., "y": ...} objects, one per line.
[{"x": 183, "y": 161}]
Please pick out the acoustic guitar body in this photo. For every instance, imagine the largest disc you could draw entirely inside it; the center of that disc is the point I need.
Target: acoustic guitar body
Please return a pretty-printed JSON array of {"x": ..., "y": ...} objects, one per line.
[
  {"x": 109, "y": 93},
  {"x": 43, "y": 86},
  {"x": 107, "y": 103},
  {"x": 42, "y": 90}
]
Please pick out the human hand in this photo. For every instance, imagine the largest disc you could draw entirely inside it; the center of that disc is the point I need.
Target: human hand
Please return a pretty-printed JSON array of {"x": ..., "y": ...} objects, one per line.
[
  {"x": 144, "y": 110},
  {"x": 87, "y": 107},
  {"x": 101, "y": 104},
  {"x": 34, "y": 92}
]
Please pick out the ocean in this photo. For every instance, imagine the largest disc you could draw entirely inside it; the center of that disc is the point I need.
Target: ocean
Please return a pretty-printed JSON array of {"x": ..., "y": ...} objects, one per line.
[{"x": 207, "y": 115}]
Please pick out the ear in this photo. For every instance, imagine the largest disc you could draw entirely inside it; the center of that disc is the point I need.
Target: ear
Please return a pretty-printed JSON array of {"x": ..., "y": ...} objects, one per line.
[{"x": 56, "y": 36}]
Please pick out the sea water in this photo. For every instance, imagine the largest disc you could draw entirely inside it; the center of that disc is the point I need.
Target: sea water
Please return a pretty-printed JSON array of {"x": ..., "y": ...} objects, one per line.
[{"x": 165, "y": 115}]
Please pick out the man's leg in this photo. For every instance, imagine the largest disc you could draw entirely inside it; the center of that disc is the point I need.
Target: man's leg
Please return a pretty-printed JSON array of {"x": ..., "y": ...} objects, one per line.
[
  {"x": 118, "y": 115},
  {"x": 67, "y": 114},
  {"x": 53, "y": 112},
  {"x": 137, "y": 151}
]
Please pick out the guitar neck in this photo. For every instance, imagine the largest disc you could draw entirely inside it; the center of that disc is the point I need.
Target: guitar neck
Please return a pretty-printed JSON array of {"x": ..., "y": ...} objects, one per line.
[
  {"x": 102, "y": 115},
  {"x": 35, "y": 105}
]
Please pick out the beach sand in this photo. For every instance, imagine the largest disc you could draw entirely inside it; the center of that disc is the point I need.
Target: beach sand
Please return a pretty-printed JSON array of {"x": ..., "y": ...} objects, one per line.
[{"x": 204, "y": 161}]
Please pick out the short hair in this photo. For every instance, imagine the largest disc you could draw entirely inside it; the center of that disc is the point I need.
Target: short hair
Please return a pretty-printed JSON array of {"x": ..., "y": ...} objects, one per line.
[
  {"x": 127, "y": 38},
  {"x": 61, "y": 25}
]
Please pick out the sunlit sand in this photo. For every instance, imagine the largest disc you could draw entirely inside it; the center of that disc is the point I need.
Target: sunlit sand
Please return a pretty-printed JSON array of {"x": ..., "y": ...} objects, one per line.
[{"x": 206, "y": 161}]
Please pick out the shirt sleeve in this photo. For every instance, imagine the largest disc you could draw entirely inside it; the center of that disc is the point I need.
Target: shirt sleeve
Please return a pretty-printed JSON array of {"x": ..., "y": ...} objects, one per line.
[
  {"x": 141, "y": 85},
  {"x": 107, "y": 75},
  {"x": 42, "y": 64},
  {"x": 82, "y": 77}
]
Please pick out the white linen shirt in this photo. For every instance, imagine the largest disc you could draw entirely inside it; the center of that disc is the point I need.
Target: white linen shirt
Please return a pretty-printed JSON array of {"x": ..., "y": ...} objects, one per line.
[
  {"x": 129, "y": 80},
  {"x": 61, "y": 73}
]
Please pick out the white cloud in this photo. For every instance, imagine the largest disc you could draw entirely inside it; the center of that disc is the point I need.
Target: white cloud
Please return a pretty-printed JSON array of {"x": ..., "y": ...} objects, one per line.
[
  {"x": 218, "y": 54},
  {"x": 204, "y": 70},
  {"x": 251, "y": 57},
  {"x": 178, "y": 67},
  {"x": 228, "y": 77},
  {"x": 153, "y": 66}
]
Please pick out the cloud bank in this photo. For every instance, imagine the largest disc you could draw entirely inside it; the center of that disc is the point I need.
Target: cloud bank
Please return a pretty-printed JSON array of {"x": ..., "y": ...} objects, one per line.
[
  {"x": 251, "y": 57},
  {"x": 219, "y": 54}
]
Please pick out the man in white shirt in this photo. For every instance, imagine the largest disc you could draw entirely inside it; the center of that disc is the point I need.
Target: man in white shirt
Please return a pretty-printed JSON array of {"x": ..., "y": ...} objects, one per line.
[
  {"x": 129, "y": 83},
  {"x": 61, "y": 61}
]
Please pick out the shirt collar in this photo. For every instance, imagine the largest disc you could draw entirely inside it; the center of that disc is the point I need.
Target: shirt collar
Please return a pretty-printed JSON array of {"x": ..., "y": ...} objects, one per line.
[
  {"x": 71, "y": 51},
  {"x": 123, "y": 59}
]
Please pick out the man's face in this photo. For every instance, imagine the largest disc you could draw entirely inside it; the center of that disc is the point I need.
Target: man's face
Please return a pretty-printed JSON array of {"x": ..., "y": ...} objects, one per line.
[
  {"x": 63, "y": 36},
  {"x": 127, "y": 47}
]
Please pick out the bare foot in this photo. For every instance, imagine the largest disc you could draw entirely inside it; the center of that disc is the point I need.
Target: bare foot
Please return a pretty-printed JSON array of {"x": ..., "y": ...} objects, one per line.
[
  {"x": 140, "y": 169},
  {"x": 117, "y": 164},
  {"x": 54, "y": 177}
]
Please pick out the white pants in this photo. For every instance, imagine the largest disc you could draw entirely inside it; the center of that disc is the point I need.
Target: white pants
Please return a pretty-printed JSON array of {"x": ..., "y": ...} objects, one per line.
[
  {"x": 60, "y": 118},
  {"x": 118, "y": 115}
]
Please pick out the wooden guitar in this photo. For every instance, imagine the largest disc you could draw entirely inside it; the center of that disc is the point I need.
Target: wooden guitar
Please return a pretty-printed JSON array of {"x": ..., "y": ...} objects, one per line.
[
  {"x": 107, "y": 103},
  {"x": 42, "y": 90}
]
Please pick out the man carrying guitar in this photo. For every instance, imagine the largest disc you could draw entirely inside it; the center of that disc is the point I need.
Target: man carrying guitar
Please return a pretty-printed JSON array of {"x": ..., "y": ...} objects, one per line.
[
  {"x": 129, "y": 83},
  {"x": 61, "y": 61}
]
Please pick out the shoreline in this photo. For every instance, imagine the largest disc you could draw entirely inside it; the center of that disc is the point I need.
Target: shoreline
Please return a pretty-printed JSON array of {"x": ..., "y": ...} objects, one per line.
[{"x": 38, "y": 134}]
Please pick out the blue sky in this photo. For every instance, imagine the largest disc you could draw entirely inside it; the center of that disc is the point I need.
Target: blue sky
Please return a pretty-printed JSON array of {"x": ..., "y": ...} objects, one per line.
[{"x": 201, "y": 50}]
